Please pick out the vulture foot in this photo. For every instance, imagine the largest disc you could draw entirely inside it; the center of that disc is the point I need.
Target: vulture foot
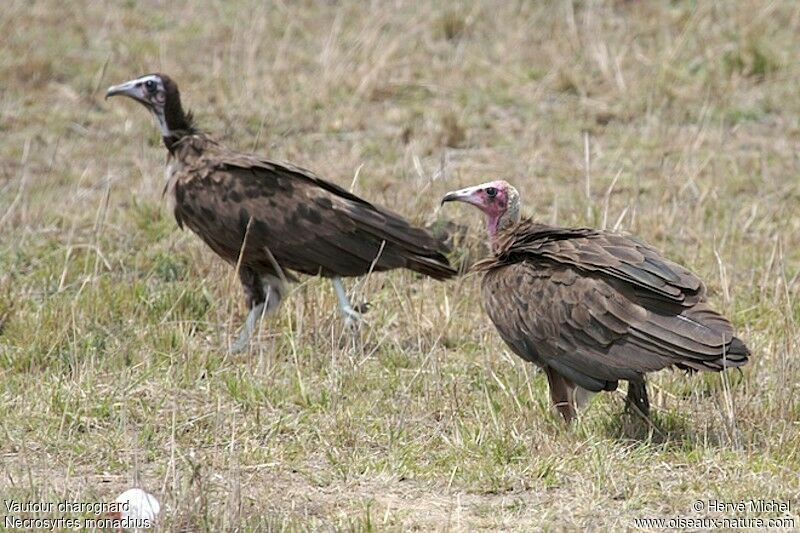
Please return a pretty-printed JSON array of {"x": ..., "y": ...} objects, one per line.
[
  {"x": 249, "y": 327},
  {"x": 352, "y": 316}
]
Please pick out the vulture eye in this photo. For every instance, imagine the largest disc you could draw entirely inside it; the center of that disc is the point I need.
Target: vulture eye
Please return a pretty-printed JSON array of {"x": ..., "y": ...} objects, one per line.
[
  {"x": 491, "y": 191},
  {"x": 150, "y": 85}
]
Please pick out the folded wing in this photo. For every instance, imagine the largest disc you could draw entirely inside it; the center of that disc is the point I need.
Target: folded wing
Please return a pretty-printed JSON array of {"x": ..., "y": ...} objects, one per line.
[
  {"x": 600, "y": 307},
  {"x": 305, "y": 223}
]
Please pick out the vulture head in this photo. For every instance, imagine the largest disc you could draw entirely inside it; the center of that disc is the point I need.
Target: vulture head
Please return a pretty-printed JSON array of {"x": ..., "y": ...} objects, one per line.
[
  {"x": 497, "y": 199},
  {"x": 159, "y": 94}
]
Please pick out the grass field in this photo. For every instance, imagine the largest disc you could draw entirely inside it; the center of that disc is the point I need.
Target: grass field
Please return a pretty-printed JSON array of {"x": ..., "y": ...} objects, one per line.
[{"x": 679, "y": 122}]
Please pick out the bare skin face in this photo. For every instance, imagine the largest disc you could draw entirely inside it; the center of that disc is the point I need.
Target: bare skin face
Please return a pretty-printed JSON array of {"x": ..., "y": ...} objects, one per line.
[
  {"x": 150, "y": 91},
  {"x": 498, "y": 200}
]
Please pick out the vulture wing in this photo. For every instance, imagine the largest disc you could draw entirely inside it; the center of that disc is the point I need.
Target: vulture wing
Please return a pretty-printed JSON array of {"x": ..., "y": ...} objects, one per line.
[
  {"x": 628, "y": 263},
  {"x": 305, "y": 223},
  {"x": 598, "y": 308}
]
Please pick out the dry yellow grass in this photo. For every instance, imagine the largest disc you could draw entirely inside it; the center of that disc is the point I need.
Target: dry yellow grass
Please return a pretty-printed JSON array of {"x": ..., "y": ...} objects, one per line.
[{"x": 679, "y": 122}]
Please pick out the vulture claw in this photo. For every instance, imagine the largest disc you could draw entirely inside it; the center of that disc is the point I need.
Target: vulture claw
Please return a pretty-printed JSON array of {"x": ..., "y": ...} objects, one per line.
[{"x": 352, "y": 318}]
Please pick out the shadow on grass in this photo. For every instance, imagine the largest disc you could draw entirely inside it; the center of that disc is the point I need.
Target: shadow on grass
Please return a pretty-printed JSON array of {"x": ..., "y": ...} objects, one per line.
[
  {"x": 671, "y": 427},
  {"x": 662, "y": 428}
]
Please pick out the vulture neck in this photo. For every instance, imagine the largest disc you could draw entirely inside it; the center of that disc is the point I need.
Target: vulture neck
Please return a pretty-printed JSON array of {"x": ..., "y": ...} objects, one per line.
[
  {"x": 175, "y": 124},
  {"x": 498, "y": 223}
]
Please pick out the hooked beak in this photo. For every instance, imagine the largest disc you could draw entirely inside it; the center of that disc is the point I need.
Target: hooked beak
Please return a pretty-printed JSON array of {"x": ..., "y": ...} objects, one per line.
[
  {"x": 464, "y": 195},
  {"x": 130, "y": 89}
]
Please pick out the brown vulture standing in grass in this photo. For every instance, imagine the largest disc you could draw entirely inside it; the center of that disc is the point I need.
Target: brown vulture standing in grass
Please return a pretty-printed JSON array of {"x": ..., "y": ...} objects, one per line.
[
  {"x": 270, "y": 218},
  {"x": 593, "y": 307}
]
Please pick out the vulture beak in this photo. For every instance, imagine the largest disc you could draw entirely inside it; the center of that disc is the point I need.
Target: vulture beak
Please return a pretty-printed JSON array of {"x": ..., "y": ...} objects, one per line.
[
  {"x": 131, "y": 89},
  {"x": 468, "y": 195}
]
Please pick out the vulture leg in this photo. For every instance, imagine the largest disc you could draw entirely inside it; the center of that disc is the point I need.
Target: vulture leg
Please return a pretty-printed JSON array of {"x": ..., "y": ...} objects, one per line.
[
  {"x": 350, "y": 315},
  {"x": 637, "y": 398},
  {"x": 562, "y": 394},
  {"x": 249, "y": 326},
  {"x": 260, "y": 302}
]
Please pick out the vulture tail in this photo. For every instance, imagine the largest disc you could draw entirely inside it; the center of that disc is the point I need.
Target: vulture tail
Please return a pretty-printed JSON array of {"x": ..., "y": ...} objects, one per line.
[
  {"x": 736, "y": 354},
  {"x": 702, "y": 339},
  {"x": 435, "y": 266},
  {"x": 416, "y": 248}
]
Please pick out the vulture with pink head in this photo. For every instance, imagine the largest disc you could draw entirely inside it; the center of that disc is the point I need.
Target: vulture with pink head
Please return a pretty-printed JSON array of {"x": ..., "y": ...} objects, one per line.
[
  {"x": 270, "y": 218},
  {"x": 593, "y": 307}
]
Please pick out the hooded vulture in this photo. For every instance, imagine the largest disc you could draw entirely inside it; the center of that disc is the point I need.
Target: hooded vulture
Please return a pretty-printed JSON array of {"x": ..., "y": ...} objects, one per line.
[
  {"x": 593, "y": 307},
  {"x": 271, "y": 219}
]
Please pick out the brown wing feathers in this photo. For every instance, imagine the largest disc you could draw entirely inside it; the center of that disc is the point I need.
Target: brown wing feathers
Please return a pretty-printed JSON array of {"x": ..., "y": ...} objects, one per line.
[
  {"x": 636, "y": 264},
  {"x": 601, "y": 307},
  {"x": 307, "y": 224}
]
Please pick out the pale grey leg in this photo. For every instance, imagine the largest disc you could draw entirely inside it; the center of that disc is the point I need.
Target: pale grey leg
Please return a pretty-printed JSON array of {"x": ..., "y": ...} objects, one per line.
[
  {"x": 350, "y": 314},
  {"x": 274, "y": 295},
  {"x": 249, "y": 327}
]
